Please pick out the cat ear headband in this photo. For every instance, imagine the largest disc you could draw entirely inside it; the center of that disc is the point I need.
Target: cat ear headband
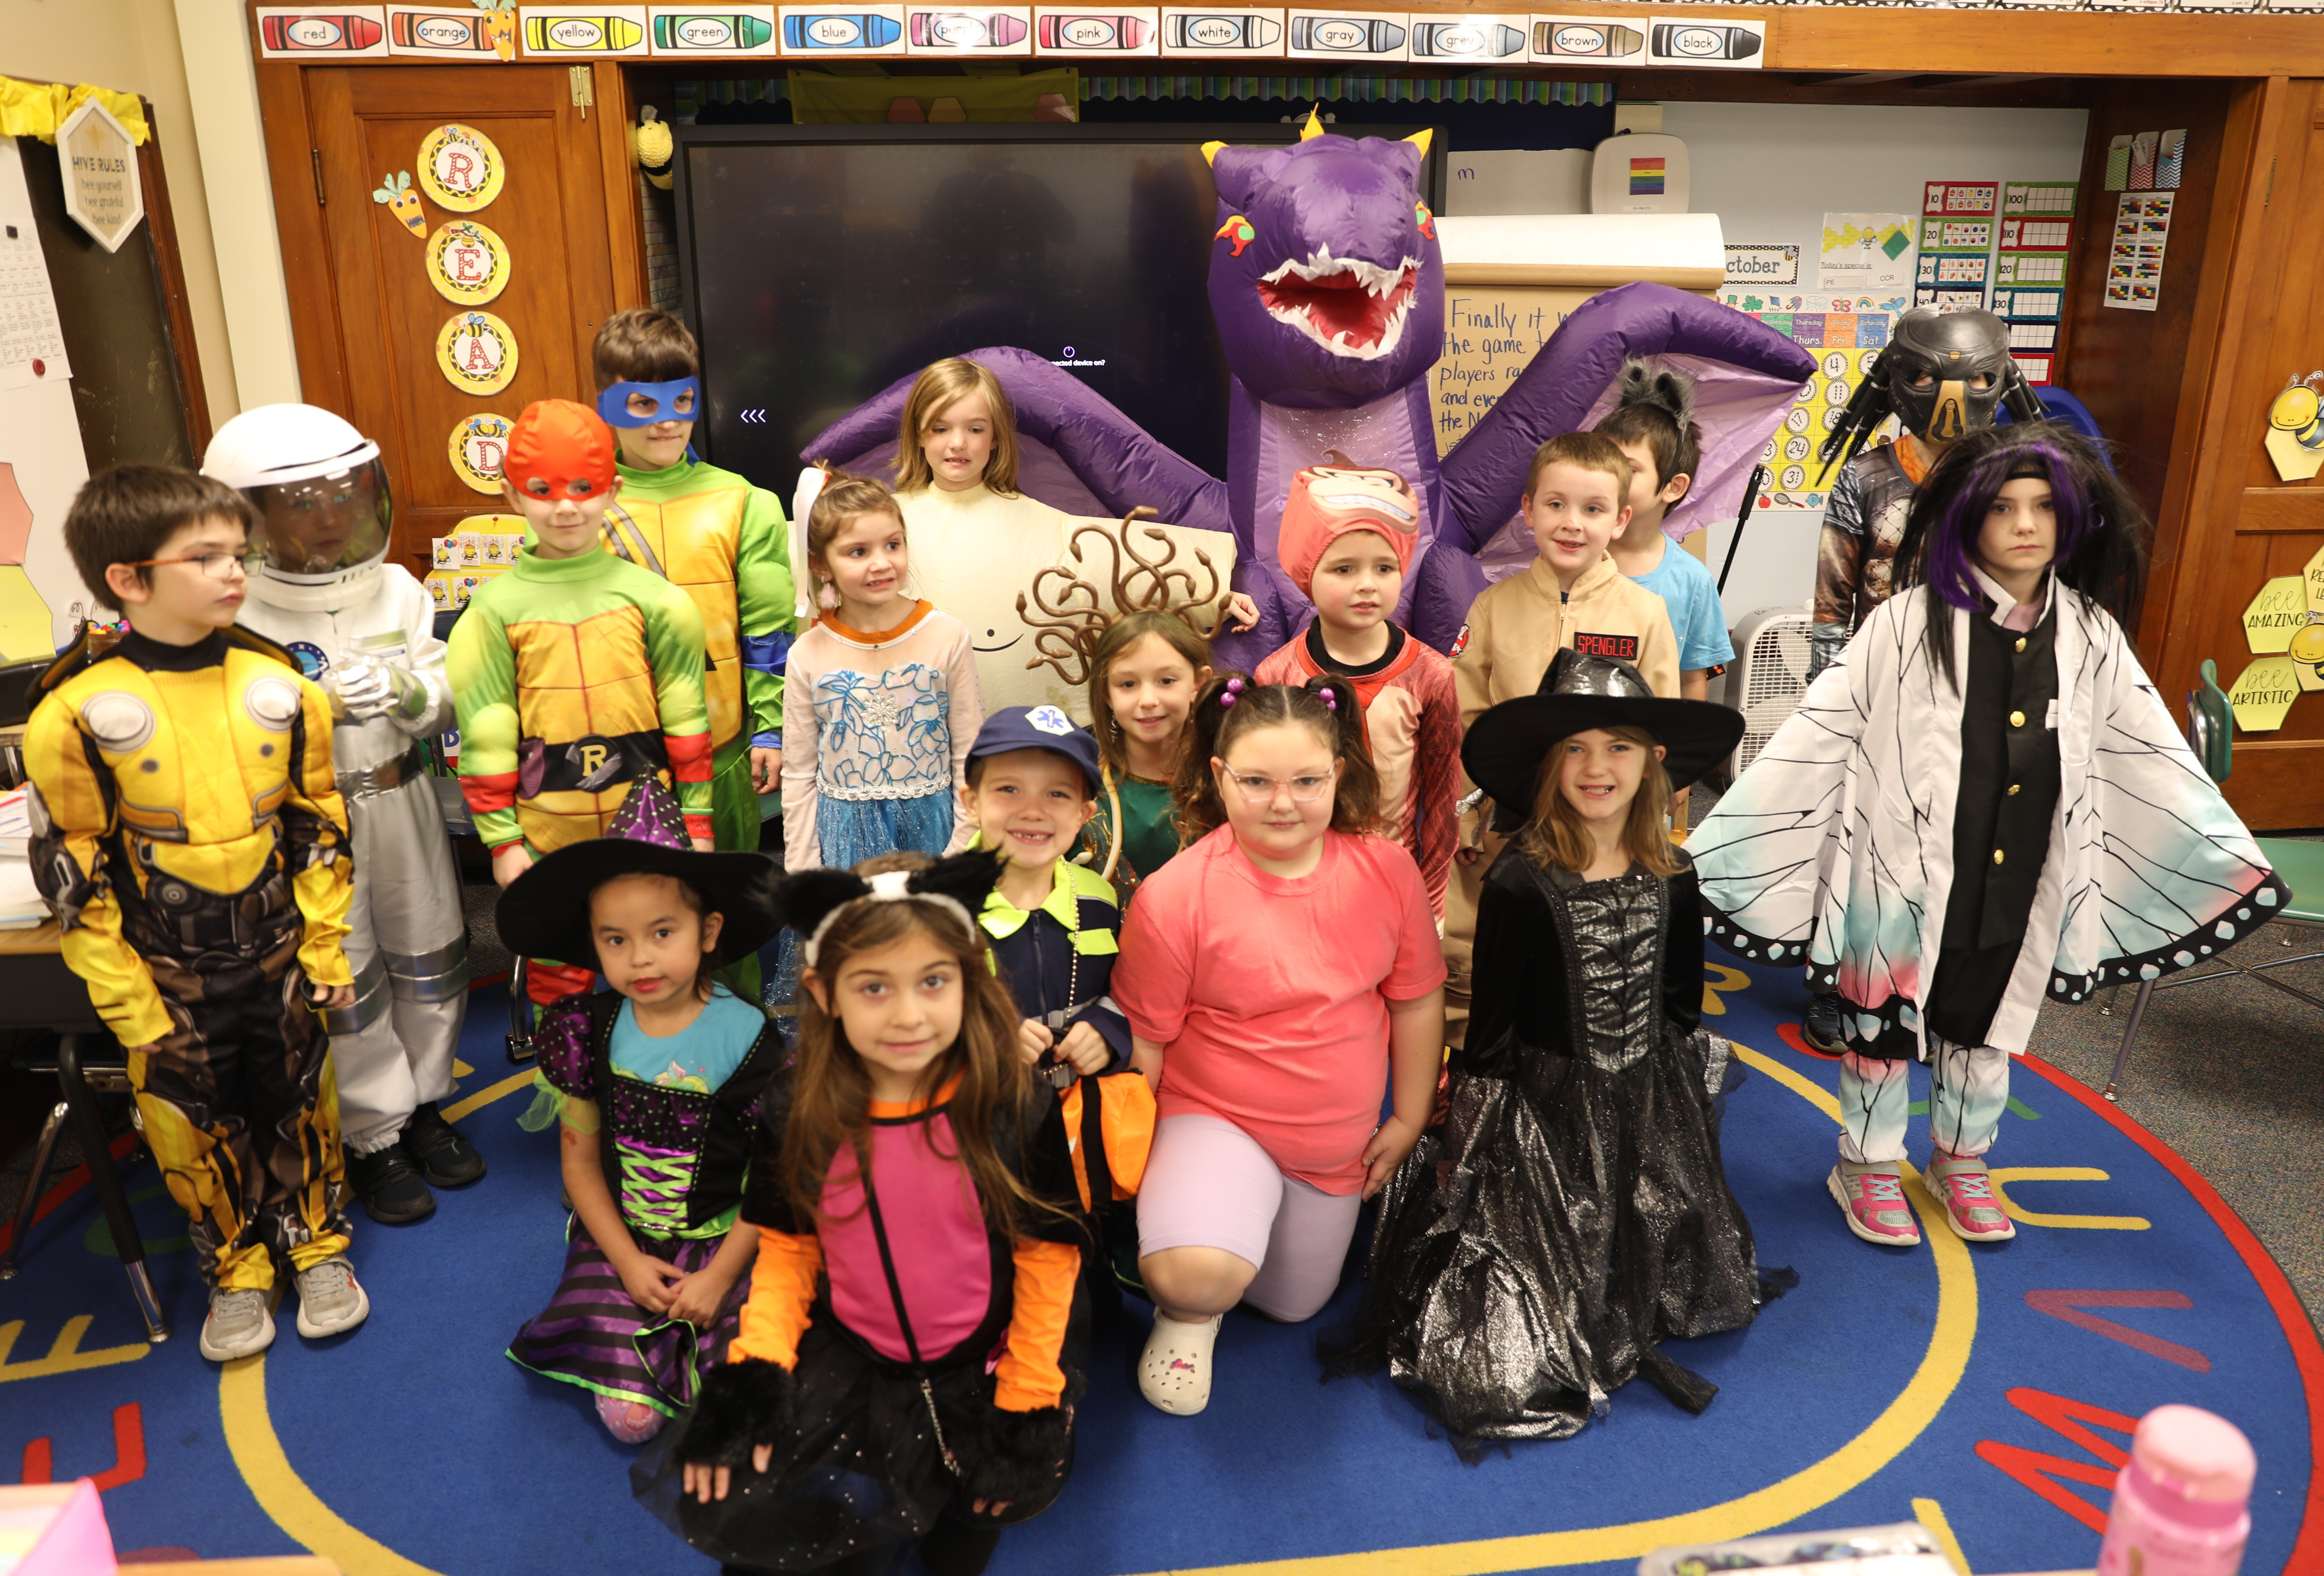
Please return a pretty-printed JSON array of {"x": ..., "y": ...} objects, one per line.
[{"x": 813, "y": 900}]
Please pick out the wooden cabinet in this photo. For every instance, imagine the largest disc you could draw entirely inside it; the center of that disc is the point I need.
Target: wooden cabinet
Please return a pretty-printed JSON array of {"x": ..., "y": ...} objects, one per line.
[
  {"x": 366, "y": 317},
  {"x": 2187, "y": 388}
]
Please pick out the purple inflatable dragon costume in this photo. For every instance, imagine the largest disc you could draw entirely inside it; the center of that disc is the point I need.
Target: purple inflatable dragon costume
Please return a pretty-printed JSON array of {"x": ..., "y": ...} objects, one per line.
[{"x": 1327, "y": 284}]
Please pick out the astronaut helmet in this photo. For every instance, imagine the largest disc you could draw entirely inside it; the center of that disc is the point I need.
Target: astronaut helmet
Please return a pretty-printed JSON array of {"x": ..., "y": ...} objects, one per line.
[
  {"x": 318, "y": 485},
  {"x": 1948, "y": 372}
]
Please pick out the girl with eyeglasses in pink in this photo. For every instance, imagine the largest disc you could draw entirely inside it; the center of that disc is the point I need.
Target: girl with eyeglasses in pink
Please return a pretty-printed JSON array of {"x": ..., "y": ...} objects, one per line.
[{"x": 1278, "y": 975}]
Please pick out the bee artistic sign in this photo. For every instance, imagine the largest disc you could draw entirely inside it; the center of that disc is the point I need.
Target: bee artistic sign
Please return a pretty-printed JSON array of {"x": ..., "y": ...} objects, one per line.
[{"x": 98, "y": 158}]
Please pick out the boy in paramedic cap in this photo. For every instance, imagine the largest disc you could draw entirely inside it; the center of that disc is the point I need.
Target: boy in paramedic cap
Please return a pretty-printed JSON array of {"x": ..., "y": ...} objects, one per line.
[
  {"x": 1347, "y": 539},
  {"x": 576, "y": 673}
]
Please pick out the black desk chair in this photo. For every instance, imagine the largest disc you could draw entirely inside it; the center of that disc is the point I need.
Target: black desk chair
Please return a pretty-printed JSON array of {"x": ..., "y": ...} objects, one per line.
[{"x": 87, "y": 1063}]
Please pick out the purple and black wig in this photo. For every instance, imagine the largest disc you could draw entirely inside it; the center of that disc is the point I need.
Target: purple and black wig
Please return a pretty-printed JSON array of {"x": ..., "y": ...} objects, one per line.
[{"x": 2102, "y": 528}]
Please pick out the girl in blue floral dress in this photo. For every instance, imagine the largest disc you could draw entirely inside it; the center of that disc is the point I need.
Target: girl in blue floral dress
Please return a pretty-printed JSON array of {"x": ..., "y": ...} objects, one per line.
[{"x": 882, "y": 702}]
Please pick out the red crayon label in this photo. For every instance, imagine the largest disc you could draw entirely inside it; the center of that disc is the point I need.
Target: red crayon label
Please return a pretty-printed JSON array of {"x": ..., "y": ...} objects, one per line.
[{"x": 320, "y": 31}]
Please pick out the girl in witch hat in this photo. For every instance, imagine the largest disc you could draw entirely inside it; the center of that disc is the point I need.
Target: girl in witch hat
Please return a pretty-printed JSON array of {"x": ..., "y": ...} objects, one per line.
[
  {"x": 1517, "y": 1273},
  {"x": 655, "y": 1086},
  {"x": 914, "y": 1201}
]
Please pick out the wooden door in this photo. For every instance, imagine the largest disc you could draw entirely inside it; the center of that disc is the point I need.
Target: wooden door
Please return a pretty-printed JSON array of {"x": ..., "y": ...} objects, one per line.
[
  {"x": 366, "y": 315},
  {"x": 2245, "y": 525}
]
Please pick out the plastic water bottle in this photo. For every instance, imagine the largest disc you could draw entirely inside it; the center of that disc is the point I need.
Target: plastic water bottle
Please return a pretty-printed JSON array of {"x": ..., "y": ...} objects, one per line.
[{"x": 2180, "y": 1506}]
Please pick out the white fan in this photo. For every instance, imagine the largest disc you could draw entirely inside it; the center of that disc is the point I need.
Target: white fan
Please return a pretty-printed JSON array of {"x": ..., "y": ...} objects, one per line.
[{"x": 1768, "y": 678}]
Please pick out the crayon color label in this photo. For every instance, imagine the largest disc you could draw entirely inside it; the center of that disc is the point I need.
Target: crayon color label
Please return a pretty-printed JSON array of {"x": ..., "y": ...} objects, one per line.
[
  {"x": 1337, "y": 33},
  {"x": 1088, "y": 32},
  {"x": 704, "y": 33},
  {"x": 1218, "y": 31},
  {"x": 834, "y": 32},
  {"x": 575, "y": 33},
  {"x": 966, "y": 32},
  {"x": 443, "y": 32},
  {"x": 1578, "y": 41},
  {"x": 313, "y": 33}
]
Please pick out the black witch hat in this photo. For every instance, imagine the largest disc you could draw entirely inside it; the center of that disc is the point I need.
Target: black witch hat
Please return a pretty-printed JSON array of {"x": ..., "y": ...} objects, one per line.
[
  {"x": 544, "y": 913},
  {"x": 1506, "y": 746}
]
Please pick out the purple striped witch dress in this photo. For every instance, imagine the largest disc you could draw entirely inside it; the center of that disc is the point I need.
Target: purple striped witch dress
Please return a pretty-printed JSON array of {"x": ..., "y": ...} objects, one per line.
[{"x": 674, "y": 1160}]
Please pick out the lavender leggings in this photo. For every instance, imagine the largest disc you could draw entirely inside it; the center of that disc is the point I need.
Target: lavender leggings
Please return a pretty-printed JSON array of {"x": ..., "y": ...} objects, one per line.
[{"x": 1209, "y": 1184}]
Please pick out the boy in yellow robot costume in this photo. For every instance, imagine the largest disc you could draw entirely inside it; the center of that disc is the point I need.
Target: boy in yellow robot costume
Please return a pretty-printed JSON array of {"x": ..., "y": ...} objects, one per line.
[
  {"x": 187, "y": 830},
  {"x": 575, "y": 673}
]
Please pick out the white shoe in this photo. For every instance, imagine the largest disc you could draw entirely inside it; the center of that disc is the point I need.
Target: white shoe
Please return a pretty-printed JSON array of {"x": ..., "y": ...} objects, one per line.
[
  {"x": 238, "y": 1326},
  {"x": 1174, "y": 1373},
  {"x": 331, "y": 1298}
]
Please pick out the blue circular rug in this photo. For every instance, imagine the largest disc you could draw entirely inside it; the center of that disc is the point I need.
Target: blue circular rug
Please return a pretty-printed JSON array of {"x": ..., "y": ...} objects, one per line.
[{"x": 1986, "y": 1391}]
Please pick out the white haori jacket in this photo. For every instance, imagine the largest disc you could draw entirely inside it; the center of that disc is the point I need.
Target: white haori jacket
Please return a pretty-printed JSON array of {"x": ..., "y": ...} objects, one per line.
[{"x": 1835, "y": 848}]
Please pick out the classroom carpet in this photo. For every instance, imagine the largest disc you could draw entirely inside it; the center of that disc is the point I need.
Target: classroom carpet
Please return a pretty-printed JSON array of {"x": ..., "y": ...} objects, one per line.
[{"x": 1986, "y": 1391}]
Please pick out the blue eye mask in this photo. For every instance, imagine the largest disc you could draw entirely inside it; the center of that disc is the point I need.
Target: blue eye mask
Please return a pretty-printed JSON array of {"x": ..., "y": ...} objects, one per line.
[{"x": 613, "y": 404}]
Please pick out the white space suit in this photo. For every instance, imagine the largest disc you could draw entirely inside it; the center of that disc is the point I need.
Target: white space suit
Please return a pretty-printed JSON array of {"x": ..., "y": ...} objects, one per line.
[{"x": 406, "y": 940}]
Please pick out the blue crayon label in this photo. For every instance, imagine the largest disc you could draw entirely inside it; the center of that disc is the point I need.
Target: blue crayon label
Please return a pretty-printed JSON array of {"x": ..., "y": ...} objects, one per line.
[{"x": 840, "y": 30}]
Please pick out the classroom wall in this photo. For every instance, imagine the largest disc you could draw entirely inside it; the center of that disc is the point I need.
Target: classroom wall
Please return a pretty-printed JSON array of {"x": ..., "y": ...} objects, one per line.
[
  {"x": 1771, "y": 172},
  {"x": 132, "y": 47}
]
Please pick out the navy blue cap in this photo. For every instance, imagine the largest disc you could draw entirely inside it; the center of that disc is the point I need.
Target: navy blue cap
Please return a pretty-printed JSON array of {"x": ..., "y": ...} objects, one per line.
[{"x": 1039, "y": 728}]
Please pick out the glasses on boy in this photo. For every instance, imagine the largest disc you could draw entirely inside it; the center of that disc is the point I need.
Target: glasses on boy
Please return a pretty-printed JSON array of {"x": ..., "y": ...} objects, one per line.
[{"x": 213, "y": 565}]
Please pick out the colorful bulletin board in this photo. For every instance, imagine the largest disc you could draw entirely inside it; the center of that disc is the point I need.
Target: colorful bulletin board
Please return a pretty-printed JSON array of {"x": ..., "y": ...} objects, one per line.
[
  {"x": 1847, "y": 333},
  {"x": 2283, "y": 625},
  {"x": 1957, "y": 225}
]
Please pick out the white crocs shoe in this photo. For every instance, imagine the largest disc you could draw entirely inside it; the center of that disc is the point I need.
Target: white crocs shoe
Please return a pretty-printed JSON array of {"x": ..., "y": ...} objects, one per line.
[{"x": 1174, "y": 1373}]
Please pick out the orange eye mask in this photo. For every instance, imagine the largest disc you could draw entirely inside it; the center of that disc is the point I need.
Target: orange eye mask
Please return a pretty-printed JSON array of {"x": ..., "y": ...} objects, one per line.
[{"x": 559, "y": 449}]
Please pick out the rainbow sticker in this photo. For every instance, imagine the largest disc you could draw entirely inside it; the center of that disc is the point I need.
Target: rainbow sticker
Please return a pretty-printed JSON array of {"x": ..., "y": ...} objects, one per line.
[{"x": 1645, "y": 177}]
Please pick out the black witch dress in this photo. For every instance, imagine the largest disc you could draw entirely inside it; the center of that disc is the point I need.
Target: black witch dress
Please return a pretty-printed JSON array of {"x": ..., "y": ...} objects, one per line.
[
  {"x": 871, "y": 1449},
  {"x": 1569, "y": 1211}
]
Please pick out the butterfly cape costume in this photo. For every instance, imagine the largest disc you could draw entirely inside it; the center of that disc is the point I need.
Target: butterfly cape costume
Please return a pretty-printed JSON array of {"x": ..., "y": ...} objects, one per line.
[{"x": 1835, "y": 848}]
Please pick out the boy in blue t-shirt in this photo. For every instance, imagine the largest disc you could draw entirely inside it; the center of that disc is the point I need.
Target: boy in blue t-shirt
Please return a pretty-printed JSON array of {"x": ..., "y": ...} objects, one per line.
[{"x": 1652, "y": 423}]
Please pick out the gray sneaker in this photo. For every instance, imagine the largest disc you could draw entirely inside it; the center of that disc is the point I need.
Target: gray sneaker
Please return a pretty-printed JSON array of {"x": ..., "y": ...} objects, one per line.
[
  {"x": 238, "y": 1326},
  {"x": 330, "y": 1299}
]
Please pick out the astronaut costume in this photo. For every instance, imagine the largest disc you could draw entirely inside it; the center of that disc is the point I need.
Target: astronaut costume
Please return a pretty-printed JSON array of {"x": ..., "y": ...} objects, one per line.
[{"x": 364, "y": 630}]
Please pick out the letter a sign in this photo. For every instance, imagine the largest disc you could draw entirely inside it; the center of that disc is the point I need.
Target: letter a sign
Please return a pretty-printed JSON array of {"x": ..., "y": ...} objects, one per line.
[{"x": 99, "y": 162}]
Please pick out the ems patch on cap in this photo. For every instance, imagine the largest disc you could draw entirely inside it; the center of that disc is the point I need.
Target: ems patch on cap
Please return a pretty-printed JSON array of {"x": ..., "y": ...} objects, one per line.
[
  {"x": 1461, "y": 641},
  {"x": 1622, "y": 648},
  {"x": 1051, "y": 720}
]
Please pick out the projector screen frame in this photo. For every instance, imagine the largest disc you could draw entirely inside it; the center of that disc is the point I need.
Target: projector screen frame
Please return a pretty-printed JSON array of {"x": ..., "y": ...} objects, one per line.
[{"x": 1433, "y": 179}]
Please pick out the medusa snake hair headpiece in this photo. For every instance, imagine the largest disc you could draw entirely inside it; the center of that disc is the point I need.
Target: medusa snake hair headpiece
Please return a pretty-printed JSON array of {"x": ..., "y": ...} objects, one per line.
[{"x": 1074, "y": 612}]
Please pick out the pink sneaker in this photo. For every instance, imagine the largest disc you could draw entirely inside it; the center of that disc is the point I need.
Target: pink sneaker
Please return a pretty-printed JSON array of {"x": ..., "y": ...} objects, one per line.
[
  {"x": 1872, "y": 1197},
  {"x": 1965, "y": 1188},
  {"x": 631, "y": 1422}
]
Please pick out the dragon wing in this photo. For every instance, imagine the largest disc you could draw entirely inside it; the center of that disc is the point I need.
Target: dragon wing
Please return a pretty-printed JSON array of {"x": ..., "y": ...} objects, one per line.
[
  {"x": 1745, "y": 377},
  {"x": 1075, "y": 452}
]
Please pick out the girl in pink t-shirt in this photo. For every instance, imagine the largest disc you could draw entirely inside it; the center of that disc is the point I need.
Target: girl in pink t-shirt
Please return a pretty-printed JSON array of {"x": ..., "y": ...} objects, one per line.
[{"x": 1274, "y": 974}]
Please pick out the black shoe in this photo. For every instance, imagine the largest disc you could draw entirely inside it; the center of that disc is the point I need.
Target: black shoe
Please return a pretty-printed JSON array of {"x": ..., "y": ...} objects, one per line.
[
  {"x": 1820, "y": 1028},
  {"x": 393, "y": 1192},
  {"x": 448, "y": 1159}
]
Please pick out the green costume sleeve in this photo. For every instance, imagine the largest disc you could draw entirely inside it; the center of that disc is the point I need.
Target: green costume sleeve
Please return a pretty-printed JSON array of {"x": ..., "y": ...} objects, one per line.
[
  {"x": 764, "y": 590},
  {"x": 676, "y": 647},
  {"x": 481, "y": 667}
]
